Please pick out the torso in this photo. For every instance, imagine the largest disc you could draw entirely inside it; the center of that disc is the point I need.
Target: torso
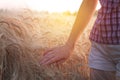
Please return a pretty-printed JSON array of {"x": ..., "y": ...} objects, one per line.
[{"x": 106, "y": 29}]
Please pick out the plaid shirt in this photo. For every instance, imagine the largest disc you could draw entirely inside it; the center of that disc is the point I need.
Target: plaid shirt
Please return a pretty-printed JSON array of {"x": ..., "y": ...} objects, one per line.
[{"x": 106, "y": 29}]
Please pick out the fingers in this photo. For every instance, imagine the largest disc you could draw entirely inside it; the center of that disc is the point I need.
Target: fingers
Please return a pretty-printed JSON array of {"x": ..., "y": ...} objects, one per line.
[
  {"x": 46, "y": 58},
  {"x": 52, "y": 60},
  {"x": 56, "y": 55},
  {"x": 47, "y": 52}
]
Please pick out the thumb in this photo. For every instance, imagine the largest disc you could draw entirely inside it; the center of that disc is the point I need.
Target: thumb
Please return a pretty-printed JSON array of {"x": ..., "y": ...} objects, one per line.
[{"x": 61, "y": 61}]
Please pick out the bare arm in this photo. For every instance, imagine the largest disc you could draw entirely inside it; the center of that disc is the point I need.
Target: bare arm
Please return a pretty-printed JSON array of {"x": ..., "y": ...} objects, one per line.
[
  {"x": 60, "y": 54},
  {"x": 83, "y": 17}
]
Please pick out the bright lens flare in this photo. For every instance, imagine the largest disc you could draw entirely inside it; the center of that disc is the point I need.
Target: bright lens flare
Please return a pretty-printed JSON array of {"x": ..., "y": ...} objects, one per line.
[
  {"x": 56, "y": 5},
  {"x": 44, "y": 5}
]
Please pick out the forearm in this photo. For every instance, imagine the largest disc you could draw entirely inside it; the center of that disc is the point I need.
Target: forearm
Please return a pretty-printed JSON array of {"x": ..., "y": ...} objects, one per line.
[{"x": 82, "y": 19}]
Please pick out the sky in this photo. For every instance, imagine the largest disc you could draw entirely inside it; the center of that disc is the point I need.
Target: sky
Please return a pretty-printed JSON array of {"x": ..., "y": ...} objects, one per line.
[{"x": 43, "y": 5}]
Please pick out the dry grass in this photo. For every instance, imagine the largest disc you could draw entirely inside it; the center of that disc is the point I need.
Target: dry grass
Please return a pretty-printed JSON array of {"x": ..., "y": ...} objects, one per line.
[{"x": 26, "y": 35}]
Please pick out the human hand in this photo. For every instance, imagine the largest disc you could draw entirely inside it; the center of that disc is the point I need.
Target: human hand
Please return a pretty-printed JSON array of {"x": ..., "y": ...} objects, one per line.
[{"x": 56, "y": 55}]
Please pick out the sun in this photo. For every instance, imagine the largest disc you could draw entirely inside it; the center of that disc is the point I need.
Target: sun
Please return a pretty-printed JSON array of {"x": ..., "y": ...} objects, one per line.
[
  {"x": 55, "y": 5},
  {"x": 44, "y": 5}
]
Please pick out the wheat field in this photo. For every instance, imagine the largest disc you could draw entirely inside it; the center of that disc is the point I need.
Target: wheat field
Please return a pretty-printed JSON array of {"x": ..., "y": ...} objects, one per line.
[{"x": 25, "y": 35}]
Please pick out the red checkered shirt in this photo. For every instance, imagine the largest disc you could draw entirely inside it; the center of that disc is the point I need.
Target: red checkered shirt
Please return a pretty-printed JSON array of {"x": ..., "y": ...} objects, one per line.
[{"x": 106, "y": 29}]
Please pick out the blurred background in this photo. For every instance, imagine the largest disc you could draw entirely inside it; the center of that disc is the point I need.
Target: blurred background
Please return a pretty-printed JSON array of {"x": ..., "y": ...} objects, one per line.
[
  {"x": 43, "y": 5},
  {"x": 28, "y": 28}
]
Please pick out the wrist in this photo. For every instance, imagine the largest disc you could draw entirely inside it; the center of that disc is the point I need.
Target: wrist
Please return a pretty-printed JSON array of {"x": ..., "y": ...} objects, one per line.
[{"x": 70, "y": 45}]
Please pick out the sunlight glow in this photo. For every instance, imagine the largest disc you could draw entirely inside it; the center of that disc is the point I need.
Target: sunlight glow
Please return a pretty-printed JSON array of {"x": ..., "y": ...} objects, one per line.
[
  {"x": 44, "y": 5},
  {"x": 55, "y": 5}
]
